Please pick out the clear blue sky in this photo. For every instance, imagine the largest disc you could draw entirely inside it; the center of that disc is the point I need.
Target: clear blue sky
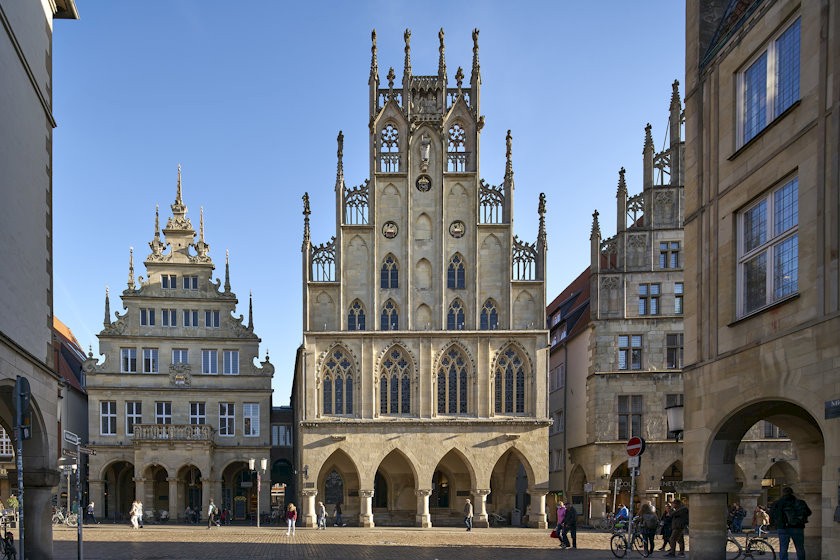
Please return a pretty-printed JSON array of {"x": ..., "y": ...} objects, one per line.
[{"x": 249, "y": 96}]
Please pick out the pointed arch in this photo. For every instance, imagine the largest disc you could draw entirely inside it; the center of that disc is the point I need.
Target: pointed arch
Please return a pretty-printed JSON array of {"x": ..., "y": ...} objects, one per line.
[
  {"x": 390, "y": 273},
  {"x": 423, "y": 228},
  {"x": 389, "y": 147},
  {"x": 423, "y": 318},
  {"x": 456, "y": 275},
  {"x": 510, "y": 371},
  {"x": 423, "y": 275},
  {"x": 356, "y": 316},
  {"x": 525, "y": 311},
  {"x": 489, "y": 320},
  {"x": 455, "y": 316},
  {"x": 453, "y": 375},
  {"x": 338, "y": 374},
  {"x": 396, "y": 372},
  {"x": 338, "y": 477},
  {"x": 389, "y": 318}
]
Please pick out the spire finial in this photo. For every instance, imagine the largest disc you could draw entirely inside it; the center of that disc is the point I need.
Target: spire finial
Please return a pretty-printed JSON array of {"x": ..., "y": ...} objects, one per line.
[
  {"x": 541, "y": 212},
  {"x": 475, "y": 66},
  {"x": 648, "y": 138},
  {"x": 339, "y": 171},
  {"x": 227, "y": 271},
  {"x": 107, "y": 321},
  {"x": 675, "y": 95},
  {"x": 459, "y": 78},
  {"x": 508, "y": 154},
  {"x": 442, "y": 59},
  {"x": 201, "y": 225},
  {"x": 250, "y": 311},
  {"x": 157, "y": 221},
  {"x": 391, "y": 76},
  {"x": 306, "y": 213},
  {"x": 178, "y": 199},
  {"x": 596, "y": 228},
  {"x": 622, "y": 186},
  {"x": 131, "y": 285},
  {"x": 374, "y": 64},
  {"x": 407, "y": 66}
]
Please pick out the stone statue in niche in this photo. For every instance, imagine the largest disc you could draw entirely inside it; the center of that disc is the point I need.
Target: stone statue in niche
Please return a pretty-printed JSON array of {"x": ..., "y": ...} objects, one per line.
[{"x": 425, "y": 150}]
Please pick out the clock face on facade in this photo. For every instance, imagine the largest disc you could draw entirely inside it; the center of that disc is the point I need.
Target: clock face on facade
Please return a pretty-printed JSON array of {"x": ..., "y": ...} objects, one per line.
[
  {"x": 390, "y": 229},
  {"x": 423, "y": 183},
  {"x": 457, "y": 229}
]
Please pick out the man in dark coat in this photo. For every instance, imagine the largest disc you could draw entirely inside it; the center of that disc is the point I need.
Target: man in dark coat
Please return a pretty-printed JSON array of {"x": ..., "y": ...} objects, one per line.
[
  {"x": 679, "y": 522},
  {"x": 790, "y": 514},
  {"x": 569, "y": 527}
]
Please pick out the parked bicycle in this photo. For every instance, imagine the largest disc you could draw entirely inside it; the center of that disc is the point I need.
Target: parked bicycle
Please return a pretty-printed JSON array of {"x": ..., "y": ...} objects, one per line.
[
  {"x": 754, "y": 547},
  {"x": 496, "y": 520},
  {"x": 620, "y": 543},
  {"x": 60, "y": 518}
]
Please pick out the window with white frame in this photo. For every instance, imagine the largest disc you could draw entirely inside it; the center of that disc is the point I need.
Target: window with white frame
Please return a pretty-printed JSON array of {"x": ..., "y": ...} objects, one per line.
[
  {"x": 648, "y": 299},
  {"x": 108, "y": 418},
  {"x": 190, "y": 317},
  {"x": 150, "y": 360},
  {"x": 768, "y": 248},
  {"x": 198, "y": 413},
  {"x": 231, "y": 365},
  {"x": 212, "y": 318},
  {"x": 163, "y": 412},
  {"x": 769, "y": 84},
  {"x": 227, "y": 419},
  {"x": 674, "y": 351},
  {"x": 281, "y": 435},
  {"x": 630, "y": 351},
  {"x": 678, "y": 298},
  {"x": 629, "y": 416},
  {"x": 128, "y": 360},
  {"x": 169, "y": 317},
  {"x": 251, "y": 419},
  {"x": 7, "y": 450},
  {"x": 180, "y": 356},
  {"x": 210, "y": 361},
  {"x": 168, "y": 281},
  {"x": 190, "y": 282},
  {"x": 147, "y": 317},
  {"x": 133, "y": 415}
]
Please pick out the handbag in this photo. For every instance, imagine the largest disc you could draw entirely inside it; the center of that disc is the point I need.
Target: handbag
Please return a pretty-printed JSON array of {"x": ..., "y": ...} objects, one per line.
[{"x": 553, "y": 534}]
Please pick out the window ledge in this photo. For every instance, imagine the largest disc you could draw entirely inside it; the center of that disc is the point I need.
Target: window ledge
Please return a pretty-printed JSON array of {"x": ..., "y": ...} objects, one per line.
[
  {"x": 760, "y": 310},
  {"x": 764, "y": 130}
]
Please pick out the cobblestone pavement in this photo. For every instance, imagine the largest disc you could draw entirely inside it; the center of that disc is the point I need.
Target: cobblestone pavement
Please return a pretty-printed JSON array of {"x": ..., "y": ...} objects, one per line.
[{"x": 159, "y": 542}]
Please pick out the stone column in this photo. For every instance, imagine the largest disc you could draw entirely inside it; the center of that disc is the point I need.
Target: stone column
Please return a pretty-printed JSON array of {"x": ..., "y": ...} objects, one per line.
[
  {"x": 210, "y": 489},
  {"x": 96, "y": 492},
  {"x": 480, "y": 508},
  {"x": 140, "y": 490},
  {"x": 308, "y": 514},
  {"x": 597, "y": 506},
  {"x": 366, "y": 508},
  {"x": 423, "y": 519},
  {"x": 708, "y": 525},
  {"x": 537, "y": 517},
  {"x": 37, "y": 495},
  {"x": 174, "y": 506}
]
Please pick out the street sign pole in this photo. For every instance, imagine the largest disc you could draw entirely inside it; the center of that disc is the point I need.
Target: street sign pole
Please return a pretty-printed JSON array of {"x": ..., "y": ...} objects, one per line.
[{"x": 81, "y": 509}]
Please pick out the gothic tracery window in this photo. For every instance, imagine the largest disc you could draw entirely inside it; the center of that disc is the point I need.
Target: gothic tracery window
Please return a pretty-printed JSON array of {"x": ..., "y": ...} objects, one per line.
[
  {"x": 338, "y": 383},
  {"x": 356, "y": 317},
  {"x": 389, "y": 148},
  {"x": 452, "y": 382},
  {"x": 456, "y": 276},
  {"x": 389, "y": 320},
  {"x": 390, "y": 274},
  {"x": 455, "y": 316},
  {"x": 456, "y": 151},
  {"x": 489, "y": 316},
  {"x": 395, "y": 383},
  {"x": 509, "y": 383}
]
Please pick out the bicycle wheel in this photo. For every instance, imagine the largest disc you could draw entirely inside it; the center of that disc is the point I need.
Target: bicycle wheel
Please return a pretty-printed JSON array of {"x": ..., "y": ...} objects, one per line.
[
  {"x": 638, "y": 544},
  {"x": 733, "y": 549},
  {"x": 618, "y": 545},
  {"x": 57, "y": 519},
  {"x": 72, "y": 520},
  {"x": 759, "y": 548}
]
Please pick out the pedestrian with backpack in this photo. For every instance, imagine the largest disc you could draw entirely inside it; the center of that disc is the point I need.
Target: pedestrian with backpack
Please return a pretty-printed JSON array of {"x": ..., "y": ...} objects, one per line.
[
  {"x": 790, "y": 514},
  {"x": 649, "y": 523}
]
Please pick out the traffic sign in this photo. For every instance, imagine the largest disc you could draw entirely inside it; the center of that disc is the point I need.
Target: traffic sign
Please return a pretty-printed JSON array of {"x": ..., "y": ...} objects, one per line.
[
  {"x": 634, "y": 461},
  {"x": 87, "y": 450},
  {"x": 71, "y": 438},
  {"x": 636, "y": 446},
  {"x": 69, "y": 453}
]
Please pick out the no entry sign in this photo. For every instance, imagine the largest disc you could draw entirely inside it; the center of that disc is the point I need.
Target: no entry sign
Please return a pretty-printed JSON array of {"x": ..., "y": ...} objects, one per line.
[{"x": 635, "y": 446}]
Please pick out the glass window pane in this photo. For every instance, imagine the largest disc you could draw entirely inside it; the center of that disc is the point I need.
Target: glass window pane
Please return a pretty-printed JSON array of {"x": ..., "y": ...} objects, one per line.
[
  {"x": 787, "y": 68},
  {"x": 755, "y": 226},
  {"x": 786, "y": 267},
  {"x": 786, "y": 207},
  {"x": 755, "y": 98},
  {"x": 755, "y": 282}
]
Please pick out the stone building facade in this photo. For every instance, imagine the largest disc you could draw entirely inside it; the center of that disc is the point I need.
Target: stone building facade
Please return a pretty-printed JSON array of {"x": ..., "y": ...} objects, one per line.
[
  {"x": 421, "y": 379},
  {"x": 762, "y": 245},
  {"x": 26, "y": 254},
  {"x": 178, "y": 406}
]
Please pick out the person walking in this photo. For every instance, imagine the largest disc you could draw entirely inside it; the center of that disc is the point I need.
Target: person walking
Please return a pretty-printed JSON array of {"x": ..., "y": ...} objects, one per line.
[
  {"x": 760, "y": 520},
  {"x": 569, "y": 527},
  {"x": 665, "y": 522},
  {"x": 212, "y": 510},
  {"x": 132, "y": 515},
  {"x": 291, "y": 519},
  {"x": 337, "y": 515},
  {"x": 648, "y": 524},
  {"x": 140, "y": 513},
  {"x": 90, "y": 510},
  {"x": 561, "y": 517},
  {"x": 322, "y": 516},
  {"x": 468, "y": 514},
  {"x": 679, "y": 522},
  {"x": 790, "y": 514}
]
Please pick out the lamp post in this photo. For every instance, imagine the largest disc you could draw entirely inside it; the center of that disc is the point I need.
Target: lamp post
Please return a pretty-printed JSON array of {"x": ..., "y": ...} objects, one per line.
[{"x": 263, "y": 465}]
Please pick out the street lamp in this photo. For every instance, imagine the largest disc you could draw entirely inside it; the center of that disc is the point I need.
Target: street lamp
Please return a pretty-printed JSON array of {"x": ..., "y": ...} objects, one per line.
[
  {"x": 263, "y": 466},
  {"x": 676, "y": 420}
]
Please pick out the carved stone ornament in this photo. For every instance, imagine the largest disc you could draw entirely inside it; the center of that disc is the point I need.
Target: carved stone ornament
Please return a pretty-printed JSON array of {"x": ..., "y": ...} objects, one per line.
[
  {"x": 180, "y": 375},
  {"x": 425, "y": 149},
  {"x": 390, "y": 229},
  {"x": 637, "y": 241},
  {"x": 457, "y": 229},
  {"x": 664, "y": 197},
  {"x": 116, "y": 327},
  {"x": 609, "y": 283},
  {"x": 423, "y": 183}
]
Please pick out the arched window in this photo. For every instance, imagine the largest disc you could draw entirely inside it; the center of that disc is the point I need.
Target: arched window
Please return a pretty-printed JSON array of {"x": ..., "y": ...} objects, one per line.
[
  {"x": 389, "y": 148},
  {"x": 356, "y": 317},
  {"x": 338, "y": 383},
  {"x": 456, "y": 157},
  {"x": 452, "y": 382},
  {"x": 395, "y": 383},
  {"x": 456, "y": 275},
  {"x": 390, "y": 277},
  {"x": 489, "y": 316},
  {"x": 390, "y": 318},
  {"x": 455, "y": 317},
  {"x": 510, "y": 383},
  {"x": 334, "y": 488}
]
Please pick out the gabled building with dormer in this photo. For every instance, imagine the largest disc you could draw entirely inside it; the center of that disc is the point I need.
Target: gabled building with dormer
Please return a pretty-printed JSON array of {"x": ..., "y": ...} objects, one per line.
[
  {"x": 180, "y": 403},
  {"x": 421, "y": 380}
]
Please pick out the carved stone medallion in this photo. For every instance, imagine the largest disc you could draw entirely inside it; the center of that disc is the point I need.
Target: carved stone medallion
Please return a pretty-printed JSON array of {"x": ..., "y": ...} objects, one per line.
[
  {"x": 390, "y": 229},
  {"x": 423, "y": 183},
  {"x": 457, "y": 229}
]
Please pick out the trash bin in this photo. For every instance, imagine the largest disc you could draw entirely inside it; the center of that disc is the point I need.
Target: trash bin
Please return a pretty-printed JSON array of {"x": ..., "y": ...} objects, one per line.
[{"x": 515, "y": 517}]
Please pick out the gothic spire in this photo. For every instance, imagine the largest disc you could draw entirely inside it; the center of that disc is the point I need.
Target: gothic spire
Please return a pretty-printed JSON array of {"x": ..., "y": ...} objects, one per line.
[
  {"x": 306, "y": 213},
  {"x": 391, "y": 76},
  {"x": 107, "y": 321},
  {"x": 201, "y": 226},
  {"x": 441, "y": 60},
  {"x": 339, "y": 171},
  {"x": 227, "y": 271},
  {"x": 250, "y": 311},
  {"x": 648, "y": 138},
  {"x": 622, "y": 186},
  {"x": 178, "y": 194},
  {"x": 131, "y": 285},
  {"x": 596, "y": 228},
  {"x": 459, "y": 78},
  {"x": 374, "y": 65},
  {"x": 508, "y": 154},
  {"x": 156, "y": 245},
  {"x": 541, "y": 210},
  {"x": 179, "y": 209},
  {"x": 476, "y": 74},
  {"x": 407, "y": 66},
  {"x": 675, "y": 95}
]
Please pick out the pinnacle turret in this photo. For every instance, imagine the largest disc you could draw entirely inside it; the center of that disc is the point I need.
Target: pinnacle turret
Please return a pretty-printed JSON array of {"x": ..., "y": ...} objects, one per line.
[
  {"x": 407, "y": 64},
  {"x": 250, "y": 311},
  {"x": 107, "y": 321},
  {"x": 339, "y": 170},
  {"x": 131, "y": 284},
  {"x": 596, "y": 228},
  {"x": 306, "y": 212},
  {"x": 475, "y": 77},
  {"x": 227, "y": 271},
  {"x": 374, "y": 64},
  {"x": 622, "y": 185},
  {"x": 508, "y": 157},
  {"x": 541, "y": 236},
  {"x": 442, "y": 58}
]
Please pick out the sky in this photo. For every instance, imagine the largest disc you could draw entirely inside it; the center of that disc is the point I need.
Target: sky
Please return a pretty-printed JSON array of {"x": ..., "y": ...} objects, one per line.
[{"x": 248, "y": 97}]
